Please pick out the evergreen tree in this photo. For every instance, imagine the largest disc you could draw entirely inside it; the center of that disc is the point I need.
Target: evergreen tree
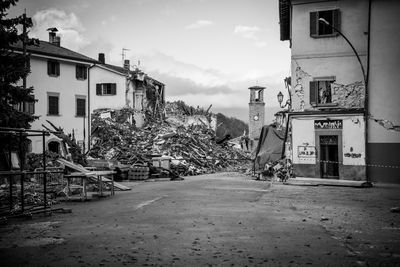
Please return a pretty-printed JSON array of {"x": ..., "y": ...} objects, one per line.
[{"x": 14, "y": 68}]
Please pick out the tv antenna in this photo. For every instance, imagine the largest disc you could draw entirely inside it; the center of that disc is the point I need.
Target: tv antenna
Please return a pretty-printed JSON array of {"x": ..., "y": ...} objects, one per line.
[{"x": 124, "y": 54}]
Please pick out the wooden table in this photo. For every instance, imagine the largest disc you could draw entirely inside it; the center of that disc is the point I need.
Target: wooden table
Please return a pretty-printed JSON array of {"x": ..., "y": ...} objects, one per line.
[{"x": 91, "y": 176}]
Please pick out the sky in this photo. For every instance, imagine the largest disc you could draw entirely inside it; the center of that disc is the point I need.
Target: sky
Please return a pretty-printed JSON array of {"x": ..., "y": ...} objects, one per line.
[{"x": 205, "y": 51}]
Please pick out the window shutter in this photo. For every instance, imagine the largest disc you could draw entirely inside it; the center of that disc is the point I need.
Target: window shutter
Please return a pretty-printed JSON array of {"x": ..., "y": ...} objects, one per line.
[
  {"x": 313, "y": 93},
  {"x": 48, "y": 67},
  {"x": 57, "y": 68},
  {"x": 313, "y": 24},
  {"x": 85, "y": 70},
  {"x": 336, "y": 19},
  {"x": 77, "y": 71},
  {"x": 113, "y": 88},
  {"x": 98, "y": 89},
  {"x": 80, "y": 107}
]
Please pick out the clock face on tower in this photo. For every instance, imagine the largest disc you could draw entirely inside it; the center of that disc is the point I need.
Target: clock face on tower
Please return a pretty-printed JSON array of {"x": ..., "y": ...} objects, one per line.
[{"x": 255, "y": 117}]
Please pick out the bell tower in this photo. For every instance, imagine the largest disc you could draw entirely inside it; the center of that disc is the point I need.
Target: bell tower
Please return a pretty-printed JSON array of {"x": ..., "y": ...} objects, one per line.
[{"x": 256, "y": 114}]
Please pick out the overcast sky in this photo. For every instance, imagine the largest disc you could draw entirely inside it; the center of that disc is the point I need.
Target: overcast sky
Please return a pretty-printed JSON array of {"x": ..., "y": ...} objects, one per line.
[{"x": 205, "y": 51}]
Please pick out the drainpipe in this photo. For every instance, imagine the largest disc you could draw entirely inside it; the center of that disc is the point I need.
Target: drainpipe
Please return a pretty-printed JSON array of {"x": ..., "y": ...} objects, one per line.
[
  {"x": 366, "y": 98},
  {"x": 88, "y": 109}
]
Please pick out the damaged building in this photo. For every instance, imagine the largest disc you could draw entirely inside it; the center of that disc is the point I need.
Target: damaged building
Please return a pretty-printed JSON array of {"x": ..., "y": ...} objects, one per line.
[
  {"x": 341, "y": 100},
  {"x": 69, "y": 87}
]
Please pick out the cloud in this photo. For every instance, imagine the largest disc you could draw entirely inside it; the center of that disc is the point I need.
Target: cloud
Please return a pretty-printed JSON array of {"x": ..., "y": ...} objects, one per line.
[
  {"x": 200, "y": 86},
  {"x": 260, "y": 44},
  {"x": 164, "y": 64},
  {"x": 247, "y": 32},
  {"x": 69, "y": 26},
  {"x": 108, "y": 21},
  {"x": 199, "y": 24}
]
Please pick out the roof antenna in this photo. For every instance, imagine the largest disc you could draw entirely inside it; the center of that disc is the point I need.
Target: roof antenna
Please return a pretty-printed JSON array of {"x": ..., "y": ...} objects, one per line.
[{"x": 124, "y": 54}]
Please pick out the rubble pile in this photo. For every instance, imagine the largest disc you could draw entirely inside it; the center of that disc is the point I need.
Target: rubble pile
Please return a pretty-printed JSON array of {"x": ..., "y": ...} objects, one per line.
[
  {"x": 191, "y": 148},
  {"x": 33, "y": 193}
]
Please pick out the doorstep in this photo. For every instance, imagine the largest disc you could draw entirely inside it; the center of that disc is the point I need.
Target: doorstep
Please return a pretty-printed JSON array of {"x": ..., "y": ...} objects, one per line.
[{"x": 328, "y": 182}]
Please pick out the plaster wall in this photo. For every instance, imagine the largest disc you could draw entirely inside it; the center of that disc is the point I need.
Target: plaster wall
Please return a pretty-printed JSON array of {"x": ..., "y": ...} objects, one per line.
[
  {"x": 100, "y": 75},
  {"x": 353, "y": 140},
  {"x": 353, "y": 24},
  {"x": 68, "y": 87},
  {"x": 348, "y": 88},
  {"x": 384, "y": 78}
]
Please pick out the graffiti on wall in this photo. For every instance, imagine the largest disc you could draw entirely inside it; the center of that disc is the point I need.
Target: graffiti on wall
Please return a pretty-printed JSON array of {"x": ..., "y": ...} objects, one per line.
[{"x": 306, "y": 151}]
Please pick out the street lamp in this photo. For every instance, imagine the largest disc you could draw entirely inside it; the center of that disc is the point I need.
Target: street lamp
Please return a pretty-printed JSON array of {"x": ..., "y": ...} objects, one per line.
[
  {"x": 280, "y": 100},
  {"x": 351, "y": 45},
  {"x": 280, "y": 95}
]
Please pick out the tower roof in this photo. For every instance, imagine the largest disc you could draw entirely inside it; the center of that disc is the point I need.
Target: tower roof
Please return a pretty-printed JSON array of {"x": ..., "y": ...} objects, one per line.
[{"x": 257, "y": 87}]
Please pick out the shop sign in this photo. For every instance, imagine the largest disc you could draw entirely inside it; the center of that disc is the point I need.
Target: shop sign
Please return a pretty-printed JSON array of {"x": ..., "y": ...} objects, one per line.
[
  {"x": 328, "y": 124},
  {"x": 306, "y": 152}
]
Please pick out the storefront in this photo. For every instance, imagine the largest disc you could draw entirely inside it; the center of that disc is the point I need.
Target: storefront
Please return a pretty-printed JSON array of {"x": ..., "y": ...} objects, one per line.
[{"x": 331, "y": 147}]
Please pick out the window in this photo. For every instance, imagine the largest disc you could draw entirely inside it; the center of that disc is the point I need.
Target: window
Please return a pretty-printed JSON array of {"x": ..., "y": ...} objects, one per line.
[
  {"x": 81, "y": 72},
  {"x": 53, "y": 103},
  {"x": 27, "y": 107},
  {"x": 53, "y": 68},
  {"x": 320, "y": 29},
  {"x": 106, "y": 89},
  {"x": 321, "y": 92},
  {"x": 80, "y": 107}
]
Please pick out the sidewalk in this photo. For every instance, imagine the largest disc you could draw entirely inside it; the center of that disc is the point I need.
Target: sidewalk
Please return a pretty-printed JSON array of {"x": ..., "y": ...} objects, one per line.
[{"x": 332, "y": 182}]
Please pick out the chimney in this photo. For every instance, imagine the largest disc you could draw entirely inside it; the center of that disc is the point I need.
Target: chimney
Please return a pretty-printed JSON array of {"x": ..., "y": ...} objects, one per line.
[
  {"x": 53, "y": 39},
  {"x": 52, "y": 36},
  {"x": 57, "y": 41},
  {"x": 126, "y": 64},
  {"x": 102, "y": 59}
]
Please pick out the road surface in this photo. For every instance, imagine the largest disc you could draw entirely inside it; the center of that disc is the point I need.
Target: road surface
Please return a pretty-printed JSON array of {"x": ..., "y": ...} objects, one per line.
[{"x": 214, "y": 220}]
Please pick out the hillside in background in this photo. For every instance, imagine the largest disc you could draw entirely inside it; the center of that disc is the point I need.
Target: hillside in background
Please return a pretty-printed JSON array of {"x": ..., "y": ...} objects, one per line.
[{"x": 232, "y": 126}]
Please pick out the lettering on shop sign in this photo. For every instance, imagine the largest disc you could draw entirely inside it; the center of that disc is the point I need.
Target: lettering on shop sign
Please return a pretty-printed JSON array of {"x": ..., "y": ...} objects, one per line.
[
  {"x": 352, "y": 155},
  {"x": 328, "y": 124},
  {"x": 306, "y": 152}
]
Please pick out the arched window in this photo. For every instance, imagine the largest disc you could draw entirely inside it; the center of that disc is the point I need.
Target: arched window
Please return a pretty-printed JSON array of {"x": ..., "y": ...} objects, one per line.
[{"x": 54, "y": 146}]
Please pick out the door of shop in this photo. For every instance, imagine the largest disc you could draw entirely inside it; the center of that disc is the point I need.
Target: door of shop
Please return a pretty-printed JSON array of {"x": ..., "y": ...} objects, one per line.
[{"x": 329, "y": 156}]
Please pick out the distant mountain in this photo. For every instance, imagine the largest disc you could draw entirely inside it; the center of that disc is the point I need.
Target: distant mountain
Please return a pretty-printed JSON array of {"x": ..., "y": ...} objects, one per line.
[{"x": 232, "y": 126}]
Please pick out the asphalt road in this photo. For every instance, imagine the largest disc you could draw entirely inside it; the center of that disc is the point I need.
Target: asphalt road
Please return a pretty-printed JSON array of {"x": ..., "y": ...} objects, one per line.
[{"x": 219, "y": 220}]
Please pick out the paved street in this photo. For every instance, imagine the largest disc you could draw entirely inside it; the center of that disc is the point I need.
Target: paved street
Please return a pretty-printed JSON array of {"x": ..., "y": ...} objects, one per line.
[{"x": 220, "y": 220}]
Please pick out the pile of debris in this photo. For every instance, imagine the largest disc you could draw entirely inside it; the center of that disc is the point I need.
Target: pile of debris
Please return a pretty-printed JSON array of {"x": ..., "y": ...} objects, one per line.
[{"x": 192, "y": 148}]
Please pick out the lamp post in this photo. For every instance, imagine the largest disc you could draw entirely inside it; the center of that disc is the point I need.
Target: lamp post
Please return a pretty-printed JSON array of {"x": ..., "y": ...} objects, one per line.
[
  {"x": 322, "y": 20},
  {"x": 288, "y": 103}
]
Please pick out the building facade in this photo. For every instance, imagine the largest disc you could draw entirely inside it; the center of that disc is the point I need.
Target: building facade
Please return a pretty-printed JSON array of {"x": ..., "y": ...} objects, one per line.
[
  {"x": 60, "y": 80},
  {"x": 334, "y": 133}
]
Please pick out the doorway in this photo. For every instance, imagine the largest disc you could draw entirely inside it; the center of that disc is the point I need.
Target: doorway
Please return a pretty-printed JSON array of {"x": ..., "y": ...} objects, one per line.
[
  {"x": 329, "y": 156},
  {"x": 54, "y": 146}
]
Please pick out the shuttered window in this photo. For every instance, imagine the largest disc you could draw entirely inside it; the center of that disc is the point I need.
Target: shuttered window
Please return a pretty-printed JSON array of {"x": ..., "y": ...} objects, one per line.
[
  {"x": 80, "y": 107},
  {"x": 321, "y": 92},
  {"x": 319, "y": 28},
  {"x": 53, "y": 68},
  {"x": 106, "y": 89},
  {"x": 81, "y": 72},
  {"x": 53, "y": 102}
]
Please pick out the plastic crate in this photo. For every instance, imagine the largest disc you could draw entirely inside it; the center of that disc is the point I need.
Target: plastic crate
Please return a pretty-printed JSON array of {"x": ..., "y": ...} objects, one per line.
[
  {"x": 138, "y": 173},
  {"x": 163, "y": 162}
]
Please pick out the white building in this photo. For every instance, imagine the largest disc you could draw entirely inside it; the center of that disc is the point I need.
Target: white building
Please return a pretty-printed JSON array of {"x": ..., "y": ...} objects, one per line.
[
  {"x": 341, "y": 128},
  {"x": 60, "y": 80}
]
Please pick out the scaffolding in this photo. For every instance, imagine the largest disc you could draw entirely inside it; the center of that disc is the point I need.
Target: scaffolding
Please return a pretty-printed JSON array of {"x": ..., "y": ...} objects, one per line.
[{"x": 23, "y": 210}]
